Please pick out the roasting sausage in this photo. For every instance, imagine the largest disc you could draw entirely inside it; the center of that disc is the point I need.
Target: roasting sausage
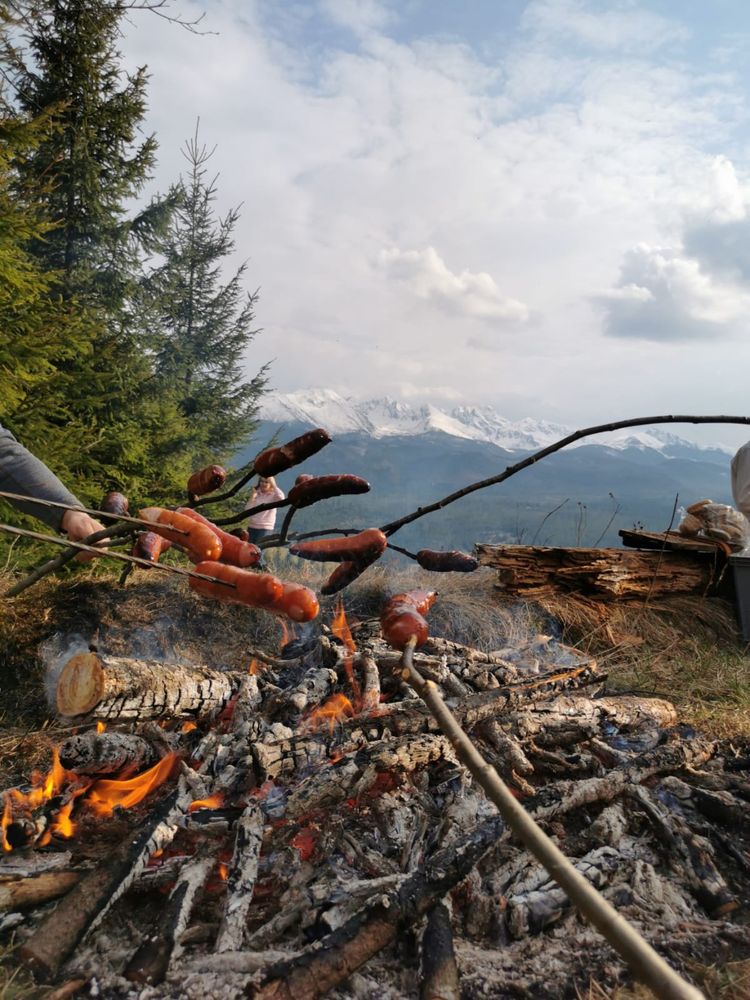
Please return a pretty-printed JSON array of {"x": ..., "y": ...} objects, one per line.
[
  {"x": 149, "y": 545},
  {"x": 324, "y": 487},
  {"x": 198, "y": 539},
  {"x": 447, "y": 562},
  {"x": 421, "y": 600},
  {"x": 114, "y": 503},
  {"x": 234, "y": 551},
  {"x": 272, "y": 461},
  {"x": 367, "y": 545},
  {"x": 400, "y": 622},
  {"x": 206, "y": 480},
  {"x": 257, "y": 590},
  {"x": 296, "y": 602}
]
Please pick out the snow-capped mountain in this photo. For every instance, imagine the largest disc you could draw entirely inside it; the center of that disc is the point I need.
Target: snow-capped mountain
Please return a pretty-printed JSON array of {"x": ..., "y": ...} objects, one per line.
[{"x": 385, "y": 417}]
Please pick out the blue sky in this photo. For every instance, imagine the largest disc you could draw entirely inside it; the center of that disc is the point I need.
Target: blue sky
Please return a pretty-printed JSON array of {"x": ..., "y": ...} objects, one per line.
[{"x": 539, "y": 204}]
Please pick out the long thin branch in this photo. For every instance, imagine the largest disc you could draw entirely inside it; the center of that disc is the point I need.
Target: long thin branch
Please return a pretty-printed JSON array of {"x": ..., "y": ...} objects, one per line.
[
  {"x": 394, "y": 526},
  {"x": 645, "y": 964}
]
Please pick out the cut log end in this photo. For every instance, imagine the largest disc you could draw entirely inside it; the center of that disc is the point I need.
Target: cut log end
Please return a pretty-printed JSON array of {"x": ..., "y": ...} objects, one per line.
[{"x": 81, "y": 684}]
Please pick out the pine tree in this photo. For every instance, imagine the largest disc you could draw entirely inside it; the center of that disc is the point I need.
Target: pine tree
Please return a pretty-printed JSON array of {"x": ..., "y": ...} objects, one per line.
[{"x": 203, "y": 325}]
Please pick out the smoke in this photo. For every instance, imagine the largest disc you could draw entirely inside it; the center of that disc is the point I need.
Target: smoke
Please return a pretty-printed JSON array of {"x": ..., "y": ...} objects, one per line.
[{"x": 55, "y": 653}]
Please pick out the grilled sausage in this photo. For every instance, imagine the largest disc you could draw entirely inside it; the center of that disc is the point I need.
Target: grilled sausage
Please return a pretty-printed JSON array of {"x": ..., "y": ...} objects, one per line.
[
  {"x": 198, "y": 539},
  {"x": 367, "y": 545},
  {"x": 324, "y": 487},
  {"x": 421, "y": 600},
  {"x": 447, "y": 562},
  {"x": 257, "y": 590},
  {"x": 206, "y": 480},
  {"x": 344, "y": 574},
  {"x": 114, "y": 503},
  {"x": 272, "y": 461},
  {"x": 234, "y": 551}
]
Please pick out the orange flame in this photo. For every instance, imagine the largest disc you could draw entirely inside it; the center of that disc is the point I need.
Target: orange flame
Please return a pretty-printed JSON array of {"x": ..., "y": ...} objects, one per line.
[
  {"x": 43, "y": 788},
  {"x": 286, "y": 634},
  {"x": 340, "y": 627},
  {"x": 188, "y": 727},
  {"x": 101, "y": 727},
  {"x": 223, "y": 870},
  {"x": 106, "y": 794},
  {"x": 215, "y": 801},
  {"x": 63, "y": 825},
  {"x": 254, "y": 668},
  {"x": 5, "y": 823},
  {"x": 330, "y": 713}
]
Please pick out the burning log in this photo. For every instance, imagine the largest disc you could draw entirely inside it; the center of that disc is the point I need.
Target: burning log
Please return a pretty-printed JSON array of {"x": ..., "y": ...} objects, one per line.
[
  {"x": 243, "y": 871},
  {"x": 21, "y": 894},
  {"x": 87, "y": 903},
  {"x": 151, "y": 961},
  {"x": 439, "y": 972},
  {"x": 106, "y": 753},
  {"x": 337, "y": 956},
  {"x": 121, "y": 687}
]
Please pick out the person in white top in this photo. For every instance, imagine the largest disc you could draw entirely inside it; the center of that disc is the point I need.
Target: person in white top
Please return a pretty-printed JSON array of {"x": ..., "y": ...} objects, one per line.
[
  {"x": 262, "y": 524},
  {"x": 741, "y": 479}
]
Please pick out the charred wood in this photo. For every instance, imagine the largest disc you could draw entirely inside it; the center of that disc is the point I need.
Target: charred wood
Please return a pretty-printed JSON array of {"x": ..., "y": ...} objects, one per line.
[
  {"x": 243, "y": 871},
  {"x": 106, "y": 753},
  {"x": 439, "y": 972}
]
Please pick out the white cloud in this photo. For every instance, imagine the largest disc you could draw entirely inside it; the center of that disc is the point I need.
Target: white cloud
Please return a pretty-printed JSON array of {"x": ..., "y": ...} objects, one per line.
[
  {"x": 664, "y": 295},
  {"x": 476, "y": 295}
]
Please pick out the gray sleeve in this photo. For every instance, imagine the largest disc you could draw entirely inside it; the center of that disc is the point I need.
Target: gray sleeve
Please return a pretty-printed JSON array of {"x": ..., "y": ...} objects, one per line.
[{"x": 21, "y": 472}]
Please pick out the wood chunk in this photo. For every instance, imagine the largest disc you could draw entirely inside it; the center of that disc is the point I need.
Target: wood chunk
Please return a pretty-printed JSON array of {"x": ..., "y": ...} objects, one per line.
[
  {"x": 439, "y": 972},
  {"x": 120, "y": 687},
  {"x": 20, "y": 894},
  {"x": 106, "y": 753},
  {"x": 243, "y": 871}
]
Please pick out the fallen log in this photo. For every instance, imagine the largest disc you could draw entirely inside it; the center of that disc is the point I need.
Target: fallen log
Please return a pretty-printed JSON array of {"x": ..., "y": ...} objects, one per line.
[
  {"x": 243, "y": 871},
  {"x": 119, "y": 687},
  {"x": 332, "y": 960},
  {"x": 607, "y": 574}
]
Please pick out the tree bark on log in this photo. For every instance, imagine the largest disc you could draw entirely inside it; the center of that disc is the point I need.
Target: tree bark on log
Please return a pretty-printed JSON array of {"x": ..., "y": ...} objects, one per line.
[
  {"x": 337, "y": 956},
  {"x": 606, "y": 574},
  {"x": 18, "y": 894},
  {"x": 119, "y": 687}
]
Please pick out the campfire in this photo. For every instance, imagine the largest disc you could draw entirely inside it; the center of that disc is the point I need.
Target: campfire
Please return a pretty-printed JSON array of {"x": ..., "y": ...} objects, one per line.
[
  {"x": 286, "y": 825},
  {"x": 308, "y": 822}
]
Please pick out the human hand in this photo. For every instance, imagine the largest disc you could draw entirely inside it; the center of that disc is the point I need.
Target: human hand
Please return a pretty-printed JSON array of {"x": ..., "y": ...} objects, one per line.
[{"x": 78, "y": 525}]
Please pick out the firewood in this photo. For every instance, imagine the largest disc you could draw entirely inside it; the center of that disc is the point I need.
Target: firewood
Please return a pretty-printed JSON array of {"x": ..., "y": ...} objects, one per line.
[
  {"x": 151, "y": 961},
  {"x": 370, "y": 682},
  {"x": 87, "y": 903},
  {"x": 332, "y": 960},
  {"x": 311, "y": 689},
  {"x": 243, "y": 871},
  {"x": 121, "y": 687},
  {"x": 606, "y": 574},
  {"x": 106, "y": 753},
  {"x": 439, "y": 972},
  {"x": 19, "y": 894}
]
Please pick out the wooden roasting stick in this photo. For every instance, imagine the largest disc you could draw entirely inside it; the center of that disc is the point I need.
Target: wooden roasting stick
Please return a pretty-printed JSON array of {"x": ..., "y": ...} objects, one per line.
[{"x": 645, "y": 963}]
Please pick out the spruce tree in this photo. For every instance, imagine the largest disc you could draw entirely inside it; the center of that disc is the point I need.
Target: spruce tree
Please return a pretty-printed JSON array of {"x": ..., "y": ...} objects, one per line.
[
  {"x": 87, "y": 170},
  {"x": 202, "y": 324}
]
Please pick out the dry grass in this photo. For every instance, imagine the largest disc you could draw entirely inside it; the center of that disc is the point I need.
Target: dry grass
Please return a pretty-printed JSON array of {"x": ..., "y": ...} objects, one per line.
[{"x": 718, "y": 982}]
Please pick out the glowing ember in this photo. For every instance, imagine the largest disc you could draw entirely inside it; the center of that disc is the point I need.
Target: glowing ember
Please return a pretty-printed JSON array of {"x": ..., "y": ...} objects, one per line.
[
  {"x": 188, "y": 727},
  {"x": 331, "y": 712},
  {"x": 212, "y": 802},
  {"x": 254, "y": 668},
  {"x": 223, "y": 870},
  {"x": 304, "y": 842},
  {"x": 106, "y": 794},
  {"x": 101, "y": 727}
]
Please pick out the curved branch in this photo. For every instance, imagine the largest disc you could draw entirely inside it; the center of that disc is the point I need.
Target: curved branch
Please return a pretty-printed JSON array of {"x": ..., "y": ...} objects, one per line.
[
  {"x": 394, "y": 526},
  {"x": 248, "y": 512}
]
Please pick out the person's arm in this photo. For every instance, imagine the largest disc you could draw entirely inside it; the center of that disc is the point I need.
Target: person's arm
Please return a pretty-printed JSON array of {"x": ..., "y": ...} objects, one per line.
[{"x": 22, "y": 472}]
